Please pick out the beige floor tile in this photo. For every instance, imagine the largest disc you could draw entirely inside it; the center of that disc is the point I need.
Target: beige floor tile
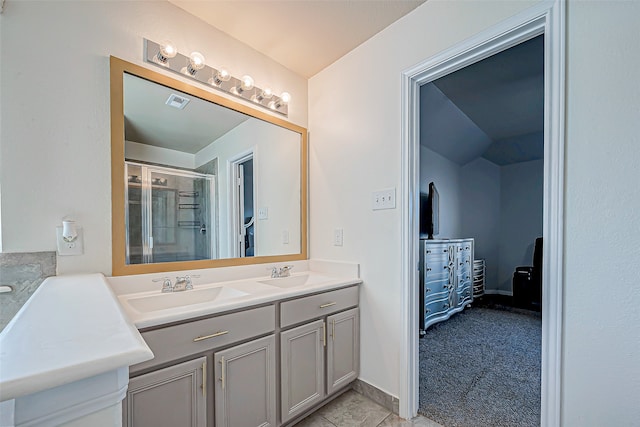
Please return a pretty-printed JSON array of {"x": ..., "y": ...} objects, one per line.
[
  {"x": 395, "y": 421},
  {"x": 314, "y": 420},
  {"x": 354, "y": 410}
]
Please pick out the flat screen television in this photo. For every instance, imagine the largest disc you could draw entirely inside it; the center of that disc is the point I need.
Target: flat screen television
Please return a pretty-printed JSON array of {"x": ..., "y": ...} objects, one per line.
[{"x": 429, "y": 212}]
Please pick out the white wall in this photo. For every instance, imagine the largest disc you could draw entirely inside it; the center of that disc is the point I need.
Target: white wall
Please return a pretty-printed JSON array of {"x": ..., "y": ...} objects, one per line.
[
  {"x": 445, "y": 174},
  {"x": 161, "y": 156},
  {"x": 55, "y": 136},
  {"x": 355, "y": 148},
  {"x": 520, "y": 217},
  {"x": 601, "y": 373},
  {"x": 480, "y": 210},
  {"x": 276, "y": 171}
]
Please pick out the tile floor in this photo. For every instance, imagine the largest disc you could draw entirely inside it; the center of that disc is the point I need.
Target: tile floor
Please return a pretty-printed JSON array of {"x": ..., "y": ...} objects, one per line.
[{"x": 354, "y": 410}]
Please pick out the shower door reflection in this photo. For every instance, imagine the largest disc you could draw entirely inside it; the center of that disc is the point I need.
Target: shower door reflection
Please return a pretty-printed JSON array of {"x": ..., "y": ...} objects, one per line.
[{"x": 169, "y": 215}]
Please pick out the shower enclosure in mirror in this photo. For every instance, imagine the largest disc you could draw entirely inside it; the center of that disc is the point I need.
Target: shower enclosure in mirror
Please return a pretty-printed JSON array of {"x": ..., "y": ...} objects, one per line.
[
  {"x": 168, "y": 215},
  {"x": 200, "y": 180}
]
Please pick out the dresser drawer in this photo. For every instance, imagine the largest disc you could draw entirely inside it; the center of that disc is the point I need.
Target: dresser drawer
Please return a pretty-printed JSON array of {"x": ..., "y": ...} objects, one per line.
[
  {"x": 436, "y": 289},
  {"x": 314, "y": 306},
  {"x": 436, "y": 308},
  {"x": 437, "y": 250},
  {"x": 178, "y": 341}
]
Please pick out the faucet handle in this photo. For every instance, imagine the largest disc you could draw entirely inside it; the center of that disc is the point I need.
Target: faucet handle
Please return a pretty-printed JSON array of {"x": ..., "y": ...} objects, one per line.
[
  {"x": 286, "y": 270},
  {"x": 189, "y": 283},
  {"x": 274, "y": 271},
  {"x": 166, "y": 284}
]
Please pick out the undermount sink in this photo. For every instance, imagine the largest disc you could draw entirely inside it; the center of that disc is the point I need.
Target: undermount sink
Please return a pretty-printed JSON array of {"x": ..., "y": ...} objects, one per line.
[
  {"x": 164, "y": 301},
  {"x": 298, "y": 280}
]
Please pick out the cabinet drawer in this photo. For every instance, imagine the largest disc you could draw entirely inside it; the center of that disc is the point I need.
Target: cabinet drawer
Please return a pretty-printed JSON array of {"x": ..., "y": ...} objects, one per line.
[
  {"x": 182, "y": 340},
  {"x": 307, "y": 308}
]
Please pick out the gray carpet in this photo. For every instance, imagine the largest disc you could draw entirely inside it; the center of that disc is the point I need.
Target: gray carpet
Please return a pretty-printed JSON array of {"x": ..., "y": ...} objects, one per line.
[{"x": 482, "y": 368}]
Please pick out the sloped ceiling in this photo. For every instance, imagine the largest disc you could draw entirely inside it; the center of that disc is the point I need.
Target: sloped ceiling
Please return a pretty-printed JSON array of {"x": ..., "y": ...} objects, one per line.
[{"x": 492, "y": 109}]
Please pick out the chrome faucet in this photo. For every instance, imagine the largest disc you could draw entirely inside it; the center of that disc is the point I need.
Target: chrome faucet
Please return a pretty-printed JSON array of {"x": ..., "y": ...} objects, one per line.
[
  {"x": 166, "y": 284},
  {"x": 184, "y": 283},
  {"x": 286, "y": 270},
  {"x": 281, "y": 272},
  {"x": 181, "y": 284}
]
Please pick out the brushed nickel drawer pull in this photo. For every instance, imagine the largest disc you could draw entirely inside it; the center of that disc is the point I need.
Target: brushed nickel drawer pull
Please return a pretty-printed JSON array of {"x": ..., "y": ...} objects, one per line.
[
  {"x": 329, "y": 304},
  {"x": 222, "y": 369},
  {"x": 324, "y": 334},
  {"x": 206, "y": 337},
  {"x": 204, "y": 379}
]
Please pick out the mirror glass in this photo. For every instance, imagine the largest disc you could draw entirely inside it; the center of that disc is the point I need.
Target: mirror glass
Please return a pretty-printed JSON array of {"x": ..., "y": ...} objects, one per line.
[{"x": 204, "y": 182}]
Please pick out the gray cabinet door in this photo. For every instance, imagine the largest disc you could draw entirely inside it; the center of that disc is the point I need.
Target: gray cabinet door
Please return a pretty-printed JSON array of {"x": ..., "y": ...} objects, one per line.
[
  {"x": 245, "y": 388},
  {"x": 173, "y": 396},
  {"x": 343, "y": 349},
  {"x": 302, "y": 367}
]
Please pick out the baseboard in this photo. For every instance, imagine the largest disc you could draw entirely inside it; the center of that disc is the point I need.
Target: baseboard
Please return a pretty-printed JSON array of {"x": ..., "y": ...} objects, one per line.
[
  {"x": 382, "y": 398},
  {"x": 498, "y": 292}
]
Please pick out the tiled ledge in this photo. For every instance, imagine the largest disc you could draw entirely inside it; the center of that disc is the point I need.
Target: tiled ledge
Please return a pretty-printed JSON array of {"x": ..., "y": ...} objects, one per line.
[{"x": 24, "y": 272}]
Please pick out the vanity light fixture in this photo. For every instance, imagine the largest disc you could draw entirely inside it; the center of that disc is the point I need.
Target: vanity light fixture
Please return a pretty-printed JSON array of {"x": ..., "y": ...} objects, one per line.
[{"x": 220, "y": 79}]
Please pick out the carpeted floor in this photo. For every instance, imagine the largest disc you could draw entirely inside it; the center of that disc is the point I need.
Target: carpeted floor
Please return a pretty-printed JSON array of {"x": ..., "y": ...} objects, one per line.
[{"x": 482, "y": 368}]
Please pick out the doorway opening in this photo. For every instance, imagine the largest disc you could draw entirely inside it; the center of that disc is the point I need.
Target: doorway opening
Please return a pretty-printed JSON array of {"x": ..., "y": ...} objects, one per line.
[
  {"x": 546, "y": 18},
  {"x": 481, "y": 164},
  {"x": 243, "y": 215}
]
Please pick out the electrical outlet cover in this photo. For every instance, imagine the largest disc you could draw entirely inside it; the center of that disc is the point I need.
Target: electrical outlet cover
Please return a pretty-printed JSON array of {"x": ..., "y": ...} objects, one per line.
[{"x": 69, "y": 248}]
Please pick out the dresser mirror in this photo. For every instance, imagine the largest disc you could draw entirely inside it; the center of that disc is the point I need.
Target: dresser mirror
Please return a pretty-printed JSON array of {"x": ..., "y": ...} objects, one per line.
[{"x": 199, "y": 180}]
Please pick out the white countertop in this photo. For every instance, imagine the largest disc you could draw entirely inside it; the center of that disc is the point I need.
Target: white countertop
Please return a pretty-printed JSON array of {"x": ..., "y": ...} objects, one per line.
[
  {"x": 323, "y": 277},
  {"x": 71, "y": 328}
]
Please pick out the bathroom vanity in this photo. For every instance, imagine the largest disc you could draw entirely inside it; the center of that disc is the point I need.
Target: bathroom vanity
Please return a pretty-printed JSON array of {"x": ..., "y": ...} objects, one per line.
[{"x": 266, "y": 354}]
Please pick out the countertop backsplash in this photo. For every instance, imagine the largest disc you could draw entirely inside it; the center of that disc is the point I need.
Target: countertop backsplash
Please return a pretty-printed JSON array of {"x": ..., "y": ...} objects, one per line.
[{"x": 23, "y": 272}]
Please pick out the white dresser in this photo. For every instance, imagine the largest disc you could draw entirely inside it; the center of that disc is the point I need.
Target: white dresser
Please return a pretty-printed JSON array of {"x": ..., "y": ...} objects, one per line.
[{"x": 446, "y": 279}]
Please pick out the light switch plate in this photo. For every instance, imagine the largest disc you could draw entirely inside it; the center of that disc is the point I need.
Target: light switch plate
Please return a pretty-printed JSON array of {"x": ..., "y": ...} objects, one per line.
[
  {"x": 383, "y": 199},
  {"x": 263, "y": 213},
  {"x": 69, "y": 248},
  {"x": 338, "y": 237},
  {"x": 285, "y": 237}
]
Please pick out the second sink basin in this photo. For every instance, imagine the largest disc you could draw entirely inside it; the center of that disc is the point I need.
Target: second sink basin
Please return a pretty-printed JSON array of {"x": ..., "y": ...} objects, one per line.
[
  {"x": 177, "y": 299},
  {"x": 293, "y": 281}
]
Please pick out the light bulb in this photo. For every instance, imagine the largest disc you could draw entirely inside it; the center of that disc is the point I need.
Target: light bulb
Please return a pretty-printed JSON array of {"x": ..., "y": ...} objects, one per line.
[
  {"x": 246, "y": 83},
  {"x": 196, "y": 62},
  {"x": 167, "y": 50},
  {"x": 222, "y": 75},
  {"x": 265, "y": 93},
  {"x": 279, "y": 102}
]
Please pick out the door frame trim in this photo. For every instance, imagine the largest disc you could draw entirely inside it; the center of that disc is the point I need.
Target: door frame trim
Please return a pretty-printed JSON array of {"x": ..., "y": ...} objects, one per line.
[
  {"x": 232, "y": 218},
  {"x": 548, "y": 18}
]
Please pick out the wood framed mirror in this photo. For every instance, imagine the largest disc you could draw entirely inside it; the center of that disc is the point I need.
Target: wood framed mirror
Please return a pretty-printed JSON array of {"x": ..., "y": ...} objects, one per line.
[{"x": 199, "y": 180}]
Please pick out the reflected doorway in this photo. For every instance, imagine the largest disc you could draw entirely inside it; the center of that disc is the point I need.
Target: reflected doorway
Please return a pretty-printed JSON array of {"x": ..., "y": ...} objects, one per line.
[{"x": 244, "y": 213}]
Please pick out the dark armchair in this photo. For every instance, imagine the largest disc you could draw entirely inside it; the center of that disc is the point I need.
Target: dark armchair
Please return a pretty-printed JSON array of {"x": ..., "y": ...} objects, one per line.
[{"x": 527, "y": 281}]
